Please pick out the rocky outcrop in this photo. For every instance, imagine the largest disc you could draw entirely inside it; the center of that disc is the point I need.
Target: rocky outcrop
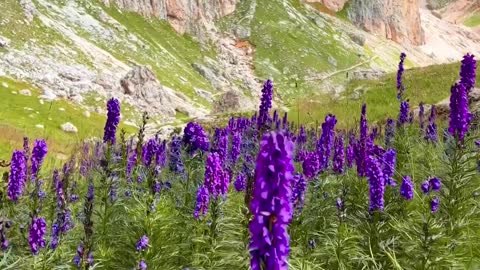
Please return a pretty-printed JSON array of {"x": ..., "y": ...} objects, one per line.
[
  {"x": 184, "y": 15},
  {"x": 142, "y": 88},
  {"x": 334, "y": 5},
  {"x": 398, "y": 20}
]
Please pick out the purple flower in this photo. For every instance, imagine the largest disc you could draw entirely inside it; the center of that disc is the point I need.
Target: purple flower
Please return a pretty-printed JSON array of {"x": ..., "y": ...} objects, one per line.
[
  {"x": 236, "y": 143},
  {"x": 17, "y": 177},
  {"x": 431, "y": 132},
  {"x": 203, "y": 200},
  {"x": 406, "y": 190},
  {"x": 216, "y": 179},
  {"x": 425, "y": 187},
  {"x": 460, "y": 116},
  {"x": 377, "y": 184},
  {"x": 434, "y": 204},
  {"x": 421, "y": 115},
  {"x": 142, "y": 243},
  {"x": 311, "y": 165},
  {"x": 175, "y": 159},
  {"x": 302, "y": 137},
  {"x": 240, "y": 182},
  {"x": 404, "y": 110},
  {"x": 131, "y": 162},
  {"x": 362, "y": 147},
  {"x": 142, "y": 265},
  {"x": 350, "y": 156},
  {"x": 271, "y": 204},
  {"x": 38, "y": 228},
  {"x": 324, "y": 145},
  {"x": 265, "y": 103},
  {"x": 339, "y": 203},
  {"x": 149, "y": 151},
  {"x": 389, "y": 160},
  {"x": 220, "y": 143},
  {"x": 401, "y": 69},
  {"x": 55, "y": 235},
  {"x": 285, "y": 120},
  {"x": 161, "y": 155},
  {"x": 113, "y": 119},
  {"x": 389, "y": 131},
  {"x": 468, "y": 71},
  {"x": 195, "y": 138},
  {"x": 39, "y": 152},
  {"x": 299, "y": 188},
  {"x": 435, "y": 183},
  {"x": 339, "y": 156}
]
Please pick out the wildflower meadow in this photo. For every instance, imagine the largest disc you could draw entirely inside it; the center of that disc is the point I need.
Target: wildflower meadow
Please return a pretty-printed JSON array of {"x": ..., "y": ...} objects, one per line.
[{"x": 260, "y": 193}]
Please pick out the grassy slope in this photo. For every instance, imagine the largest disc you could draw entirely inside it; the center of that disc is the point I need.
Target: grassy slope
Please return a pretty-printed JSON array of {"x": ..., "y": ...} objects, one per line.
[
  {"x": 289, "y": 45},
  {"x": 430, "y": 85},
  {"x": 16, "y": 121},
  {"x": 473, "y": 20}
]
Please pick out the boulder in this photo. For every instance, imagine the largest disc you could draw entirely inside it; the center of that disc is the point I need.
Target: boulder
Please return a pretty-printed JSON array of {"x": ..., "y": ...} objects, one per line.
[
  {"x": 69, "y": 128},
  {"x": 4, "y": 42},
  {"x": 25, "y": 92}
]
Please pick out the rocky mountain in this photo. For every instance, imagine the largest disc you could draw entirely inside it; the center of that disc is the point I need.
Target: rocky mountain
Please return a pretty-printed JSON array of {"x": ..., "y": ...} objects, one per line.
[{"x": 181, "y": 59}]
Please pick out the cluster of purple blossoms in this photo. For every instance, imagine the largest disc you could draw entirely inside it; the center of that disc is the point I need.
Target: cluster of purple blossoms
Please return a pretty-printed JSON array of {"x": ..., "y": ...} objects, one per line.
[
  {"x": 434, "y": 204},
  {"x": 468, "y": 72},
  {"x": 77, "y": 260},
  {"x": 195, "y": 138},
  {"x": 460, "y": 116},
  {"x": 203, "y": 199},
  {"x": 377, "y": 184},
  {"x": 299, "y": 184},
  {"x": 240, "y": 182},
  {"x": 431, "y": 131},
  {"x": 311, "y": 165},
  {"x": 350, "y": 155},
  {"x": 38, "y": 228},
  {"x": 432, "y": 184},
  {"x": 406, "y": 189},
  {"x": 265, "y": 103},
  {"x": 235, "y": 150},
  {"x": 113, "y": 119},
  {"x": 389, "y": 131},
  {"x": 131, "y": 162},
  {"x": 362, "y": 147},
  {"x": 325, "y": 144},
  {"x": 271, "y": 204},
  {"x": 161, "y": 155},
  {"x": 220, "y": 143},
  {"x": 142, "y": 243},
  {"x": 142, "y": 265},
  {"x": 339, "y": 156},
  {"x": 389, "y": 160},
  {"x": 17, "y": 177},
  {"x": 401, "y": 69},
  {"x": 421, "y": 115},
  {"x": 216, "y": 178},
  {"x": 404, "y": 111},
  {"x": 39, "y": 152},
  {"x": 4, "y": 225},
  {"x": 175, "y": 159},
  {"x": 149, "y": 151}
]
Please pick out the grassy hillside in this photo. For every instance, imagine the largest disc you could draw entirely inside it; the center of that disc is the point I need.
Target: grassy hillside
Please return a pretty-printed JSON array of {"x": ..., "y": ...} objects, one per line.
[
  {"x": 21, "y": 115},
  {"x": 430, "y": 85},
  {"x": 473, "y": 20}
]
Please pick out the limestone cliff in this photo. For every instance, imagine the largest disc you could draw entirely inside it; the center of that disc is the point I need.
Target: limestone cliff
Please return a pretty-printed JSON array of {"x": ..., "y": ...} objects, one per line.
[
  {"x": 184, "y": 15},
  {"x": 398, "y": 20}
]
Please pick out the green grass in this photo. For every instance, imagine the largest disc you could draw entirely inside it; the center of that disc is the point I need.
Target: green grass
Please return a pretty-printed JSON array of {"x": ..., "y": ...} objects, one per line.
[
  {"x": 429, "y": 85},
  {"x": 17, "y": 121},
  {"x": 473, "y": 20}
]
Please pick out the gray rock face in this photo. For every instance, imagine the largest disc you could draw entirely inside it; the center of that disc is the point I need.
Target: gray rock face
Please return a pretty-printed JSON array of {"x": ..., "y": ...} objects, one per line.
[
  {"x": 142, "y": 88},
  {"x": 28, "y": 9},
  {"x": 189, "y": 16},
  {"x": 232, "y": 101},
  {"x": 242, "y": 32},
  {"x": 4, "y": 42},
  {"x": 366, "y": 74}
]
